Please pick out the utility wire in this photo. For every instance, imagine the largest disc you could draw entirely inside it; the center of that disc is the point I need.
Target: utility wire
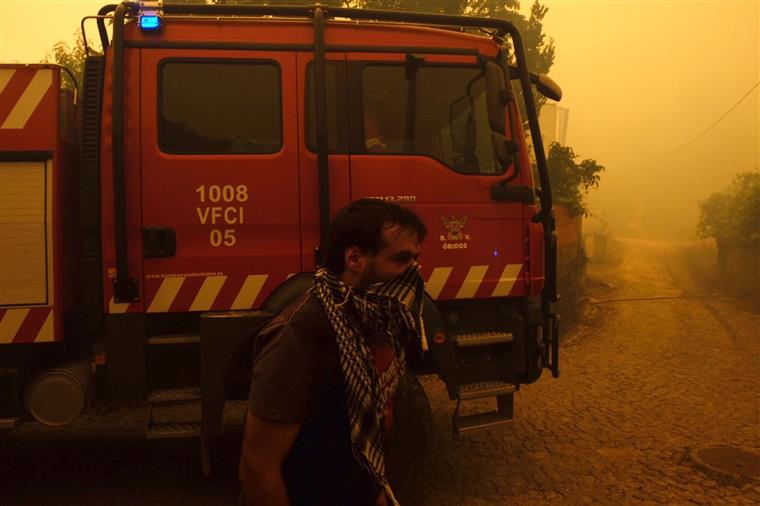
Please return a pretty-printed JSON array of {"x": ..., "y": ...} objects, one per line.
[{"x": 722, "y": 117}]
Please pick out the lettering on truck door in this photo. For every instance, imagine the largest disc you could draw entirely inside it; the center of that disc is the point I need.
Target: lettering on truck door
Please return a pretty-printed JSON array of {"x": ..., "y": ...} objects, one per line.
[{"x": 219, "y": 176}]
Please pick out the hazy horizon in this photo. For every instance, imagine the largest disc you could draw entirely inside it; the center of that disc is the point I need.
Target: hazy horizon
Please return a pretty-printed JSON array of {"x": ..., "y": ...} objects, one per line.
[{"x": 637, "y": 93}]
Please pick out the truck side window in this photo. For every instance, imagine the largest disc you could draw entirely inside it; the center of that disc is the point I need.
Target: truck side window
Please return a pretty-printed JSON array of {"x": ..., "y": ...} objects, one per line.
[
  {"x": 337, "y": 131},
  {"x": 438, "y": 111},
  {"x": 219, "y": 107}
]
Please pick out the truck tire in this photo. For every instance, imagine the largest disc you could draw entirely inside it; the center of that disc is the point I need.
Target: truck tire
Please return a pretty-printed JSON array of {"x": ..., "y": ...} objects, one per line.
[{"x": 411, "y": 440}]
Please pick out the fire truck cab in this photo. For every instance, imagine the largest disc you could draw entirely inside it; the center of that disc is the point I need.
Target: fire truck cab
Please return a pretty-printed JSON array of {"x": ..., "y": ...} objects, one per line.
[{"x": 213, "y": 144}]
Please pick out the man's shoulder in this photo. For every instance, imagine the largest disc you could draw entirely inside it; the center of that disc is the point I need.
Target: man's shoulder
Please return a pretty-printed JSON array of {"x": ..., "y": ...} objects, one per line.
[
  {"x": 293, "y": 356},
  {"x": 306, "y": 309},
  {"x": 304, "y": 319}
]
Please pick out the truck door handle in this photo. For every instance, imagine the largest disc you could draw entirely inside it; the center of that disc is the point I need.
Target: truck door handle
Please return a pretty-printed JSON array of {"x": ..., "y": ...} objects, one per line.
[{"x": 159, "y": 242}]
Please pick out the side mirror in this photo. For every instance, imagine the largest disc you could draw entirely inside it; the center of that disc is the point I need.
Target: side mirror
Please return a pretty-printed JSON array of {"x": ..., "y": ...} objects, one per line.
[
  {"x": 496, "y": 94},
  {"x": 547, "y": 87},
  {"x": 503, "y": 148}
]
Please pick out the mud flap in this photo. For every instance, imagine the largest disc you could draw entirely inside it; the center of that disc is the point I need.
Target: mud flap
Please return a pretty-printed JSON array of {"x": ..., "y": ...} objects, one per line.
[
  {"x": 223, "y": 337},
  {"x": 551, "y": 346},
  {"x": 411, "y": 441}
]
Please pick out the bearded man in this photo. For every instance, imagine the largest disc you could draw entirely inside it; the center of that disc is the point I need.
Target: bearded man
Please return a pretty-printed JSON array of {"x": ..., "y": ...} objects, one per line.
[{"x": 325, "y": 369}]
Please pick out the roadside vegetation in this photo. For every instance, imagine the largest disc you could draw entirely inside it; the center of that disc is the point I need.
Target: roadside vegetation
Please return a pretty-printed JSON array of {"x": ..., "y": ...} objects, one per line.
[
  {"x": 732, "y": 218},
  {"x": 734, "y": 213},
  {"x": 70, "y": 56},
  {"x": 571, "y": 180}
]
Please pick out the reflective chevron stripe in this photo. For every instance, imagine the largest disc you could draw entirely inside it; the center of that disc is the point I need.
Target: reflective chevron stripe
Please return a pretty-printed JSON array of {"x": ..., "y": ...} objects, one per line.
[
  {"x": 29, "y": 100},
  {"x": 11, "y": 323},
  {"x": 214, "y": 293},
  {"x": 442, "y": 284},
  {"x": 472, "y": 282},
  {"x": 507, "y": 280},
  {"x": 26, "y": 325},
  {"x": 5, "y": 77},
  {"x": 167, "y": 292},
  {"x": 437, "y": 281},
  {"x": 211, "y": 287},
  {"x": 115, "y": 308},
  {"x": 187, "y": 293},
  {"x": 246, "y": 298}
]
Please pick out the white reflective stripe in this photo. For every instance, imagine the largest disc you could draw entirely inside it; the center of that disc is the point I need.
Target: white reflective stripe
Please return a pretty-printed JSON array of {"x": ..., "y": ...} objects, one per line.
[
  {"x": 5, "y": 77},
  {"x": 11, "y": 323},
  {"x": 29, "y": 100},
  {"x": 115, "y": 308},
  {"x": 507, "y": 280},
  {"x": 250, "y": 290},
  {"x": 166, "y": 294},
  {"x": 46, "y": 333},
  {"x": 472, "y": 282},
  {"x": 206, "y": 296},
  {"x": 437, "y": 280}
]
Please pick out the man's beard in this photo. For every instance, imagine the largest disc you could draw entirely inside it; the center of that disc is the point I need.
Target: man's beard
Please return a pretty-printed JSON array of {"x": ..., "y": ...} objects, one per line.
[{"x": 370, "y": 276}]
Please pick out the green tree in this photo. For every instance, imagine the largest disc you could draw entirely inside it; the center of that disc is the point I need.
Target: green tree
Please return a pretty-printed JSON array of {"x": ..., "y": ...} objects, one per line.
[
  {"x": 70, "y": 56},
  {"x": 539, "y": 48},
  {"x": 733, "y": 214},
  {"x": 336, "y": 3},
  {"x": 571, "y": 180}
]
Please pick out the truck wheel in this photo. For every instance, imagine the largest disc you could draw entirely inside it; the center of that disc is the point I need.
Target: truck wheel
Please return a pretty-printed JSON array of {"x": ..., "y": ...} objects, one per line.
[{"x": 411, "y": 440}]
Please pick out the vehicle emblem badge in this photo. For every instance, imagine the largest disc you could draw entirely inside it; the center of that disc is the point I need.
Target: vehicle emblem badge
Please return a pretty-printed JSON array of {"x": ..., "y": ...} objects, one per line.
[
  {"x": 455, "y": 238},
  {"x": 455, "y": 227}
]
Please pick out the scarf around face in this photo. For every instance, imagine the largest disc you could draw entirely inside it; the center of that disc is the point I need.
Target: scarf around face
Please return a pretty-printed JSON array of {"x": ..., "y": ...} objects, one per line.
[{"x": 394, "y": 309}]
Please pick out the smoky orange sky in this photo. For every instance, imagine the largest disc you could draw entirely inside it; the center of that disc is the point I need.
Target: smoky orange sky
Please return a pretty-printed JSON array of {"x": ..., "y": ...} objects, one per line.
[{"x": 640, "y": 78}]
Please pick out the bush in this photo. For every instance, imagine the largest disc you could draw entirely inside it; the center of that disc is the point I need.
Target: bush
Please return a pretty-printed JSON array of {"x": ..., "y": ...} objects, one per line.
[
  {"x": 733, "y": 214},
  {"x": 571, "y": 181}
]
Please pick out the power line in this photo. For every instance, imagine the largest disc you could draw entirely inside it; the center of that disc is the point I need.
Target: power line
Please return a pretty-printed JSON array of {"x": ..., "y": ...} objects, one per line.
[{"x": 722, "y": 117}]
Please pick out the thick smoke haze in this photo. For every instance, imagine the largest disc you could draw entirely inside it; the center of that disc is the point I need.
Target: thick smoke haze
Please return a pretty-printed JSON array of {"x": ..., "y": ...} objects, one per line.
[{"x": 640, "y": 79}]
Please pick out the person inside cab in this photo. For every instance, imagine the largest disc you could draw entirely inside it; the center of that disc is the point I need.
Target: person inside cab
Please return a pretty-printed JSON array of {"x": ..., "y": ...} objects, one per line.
[{"x": 376, "y": 100}]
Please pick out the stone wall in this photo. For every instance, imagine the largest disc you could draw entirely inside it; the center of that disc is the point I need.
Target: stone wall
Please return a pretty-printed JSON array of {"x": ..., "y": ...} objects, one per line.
[
  {"x": 571, "y": 263},
  {"x": 740, "y": 268}
]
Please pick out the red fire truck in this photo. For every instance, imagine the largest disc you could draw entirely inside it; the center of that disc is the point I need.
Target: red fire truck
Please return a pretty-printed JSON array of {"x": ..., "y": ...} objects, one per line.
[{"x": 147, "y": 231}]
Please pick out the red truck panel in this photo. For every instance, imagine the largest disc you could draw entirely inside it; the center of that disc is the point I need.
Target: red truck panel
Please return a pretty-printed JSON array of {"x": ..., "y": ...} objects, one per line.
[{"x": 36, "y": 227}]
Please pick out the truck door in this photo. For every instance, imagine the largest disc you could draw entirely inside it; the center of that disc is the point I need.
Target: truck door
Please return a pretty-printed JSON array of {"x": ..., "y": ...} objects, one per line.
[
  {"x": 424, "y": 140},
  {"x": 219, "y": 177}
]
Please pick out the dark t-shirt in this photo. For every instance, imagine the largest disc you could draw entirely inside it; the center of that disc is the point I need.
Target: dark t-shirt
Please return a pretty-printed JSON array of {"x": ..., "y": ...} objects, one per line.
[{"x": 297, "y": 378}]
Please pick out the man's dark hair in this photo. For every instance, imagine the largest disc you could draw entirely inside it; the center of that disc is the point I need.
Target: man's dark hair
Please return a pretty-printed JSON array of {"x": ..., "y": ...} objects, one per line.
[{"x": 361, "y": 224}]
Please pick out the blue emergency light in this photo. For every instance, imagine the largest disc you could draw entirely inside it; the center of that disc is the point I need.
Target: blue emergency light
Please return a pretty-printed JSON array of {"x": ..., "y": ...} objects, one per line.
[{"x": 150, "y": 22}]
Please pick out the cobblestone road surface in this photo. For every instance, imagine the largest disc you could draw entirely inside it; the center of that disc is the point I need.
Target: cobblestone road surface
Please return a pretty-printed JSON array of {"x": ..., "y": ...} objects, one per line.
[
  {"x": 662, "y": 366},
  {"x": 642, "y": 383}
]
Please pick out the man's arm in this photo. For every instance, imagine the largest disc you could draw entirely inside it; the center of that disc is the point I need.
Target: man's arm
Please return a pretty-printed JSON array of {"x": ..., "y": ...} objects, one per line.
[{"x": 266, "y": 443}]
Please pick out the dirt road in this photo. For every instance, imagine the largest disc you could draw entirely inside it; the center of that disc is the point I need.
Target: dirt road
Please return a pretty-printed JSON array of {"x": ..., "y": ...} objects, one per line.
[{"x": 663, "y": 365}]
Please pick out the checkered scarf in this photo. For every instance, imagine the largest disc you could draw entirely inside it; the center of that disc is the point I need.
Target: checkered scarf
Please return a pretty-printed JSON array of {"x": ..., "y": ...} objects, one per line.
[{"x": 393, "y": 308}]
